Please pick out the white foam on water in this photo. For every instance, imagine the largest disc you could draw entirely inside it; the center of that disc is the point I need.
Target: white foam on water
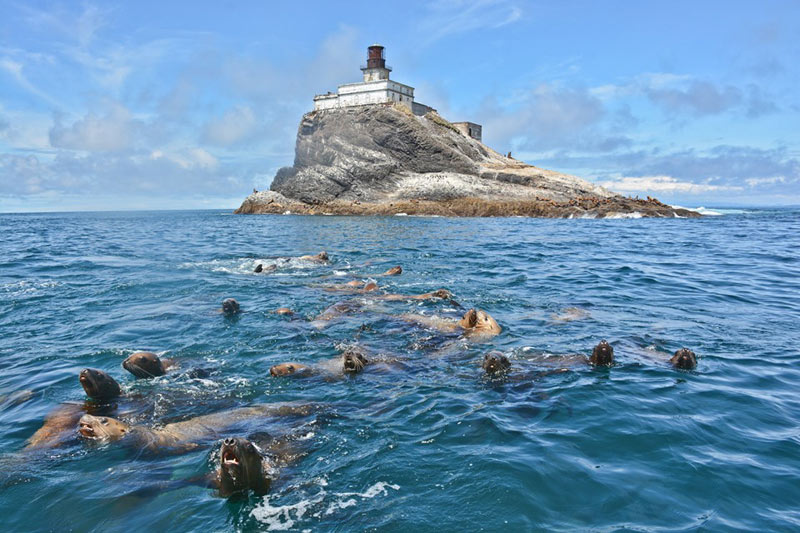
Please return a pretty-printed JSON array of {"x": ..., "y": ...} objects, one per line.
[
  {"x": 716, "y": 212},
  {"x": 635, "y": 214},
  {"x": 401, "y": 214},
  {"x": 18, "y": 288}
]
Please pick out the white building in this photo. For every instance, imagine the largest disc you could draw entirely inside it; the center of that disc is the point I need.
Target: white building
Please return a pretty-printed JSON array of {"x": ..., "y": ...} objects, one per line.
[{"x": 377, "y": 88}]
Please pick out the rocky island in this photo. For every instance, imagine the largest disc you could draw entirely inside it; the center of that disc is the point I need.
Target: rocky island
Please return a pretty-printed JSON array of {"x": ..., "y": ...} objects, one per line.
[{"x": 358, "y": 156}]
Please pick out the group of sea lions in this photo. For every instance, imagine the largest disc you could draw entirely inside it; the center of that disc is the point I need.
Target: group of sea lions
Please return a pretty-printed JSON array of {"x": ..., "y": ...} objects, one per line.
[{"x": 242, "y": 465}]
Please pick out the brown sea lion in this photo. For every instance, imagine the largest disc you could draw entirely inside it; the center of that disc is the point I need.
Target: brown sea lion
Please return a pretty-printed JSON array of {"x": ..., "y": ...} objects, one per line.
[
  {"x": 684, "y": 359},
  {"x": 59, "y": 423},
  {"x": 474, "y": 323},
  {"x": 287, "y": 369},
  {"x": 351, "y": 361},
  {"x": 183, "y": 435},
  {"x": 321, "y": 257},
  {"x": 602, "y": 355},
  {"x": 146, "y": 365},
  {"x": 230, "y": 307},
  {"x": 442, "y": 294},
  {"x": 353, "y": 287},
  {"x": 284, "y": 311},
  {"x": 394, "y": 271}
]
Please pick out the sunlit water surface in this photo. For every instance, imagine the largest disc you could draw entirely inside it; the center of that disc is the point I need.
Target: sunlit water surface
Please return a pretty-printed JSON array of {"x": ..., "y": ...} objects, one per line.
[{"x": 427, "y": 443}]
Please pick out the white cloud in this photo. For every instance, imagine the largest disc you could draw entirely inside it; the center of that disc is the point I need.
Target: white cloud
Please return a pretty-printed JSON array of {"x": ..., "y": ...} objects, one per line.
[
  {"x": 662, "y": 184},
  {"x": 755, "y": 182},
  {"x": 234, "y": 126},
  {"x": 111, "y": 132},
  {"x": 448, "y": 17}
]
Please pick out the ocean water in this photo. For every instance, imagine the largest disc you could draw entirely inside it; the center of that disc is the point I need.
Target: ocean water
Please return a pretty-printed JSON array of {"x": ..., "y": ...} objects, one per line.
[{"x": 425, "y": 443}]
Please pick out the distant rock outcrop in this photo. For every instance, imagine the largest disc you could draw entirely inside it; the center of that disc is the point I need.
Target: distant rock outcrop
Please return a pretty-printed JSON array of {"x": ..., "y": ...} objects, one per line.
[{"x": 382, "y": 159}]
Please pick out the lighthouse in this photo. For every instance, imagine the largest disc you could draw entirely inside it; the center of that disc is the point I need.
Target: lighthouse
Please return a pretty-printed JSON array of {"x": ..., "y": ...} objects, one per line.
[{"x": 376, "y": 68}]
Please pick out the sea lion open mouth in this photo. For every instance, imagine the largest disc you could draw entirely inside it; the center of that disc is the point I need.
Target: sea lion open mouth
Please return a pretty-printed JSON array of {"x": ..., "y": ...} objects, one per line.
[
  {"x": 353, "y": 362},
  {"x": 86, "y": 430}
]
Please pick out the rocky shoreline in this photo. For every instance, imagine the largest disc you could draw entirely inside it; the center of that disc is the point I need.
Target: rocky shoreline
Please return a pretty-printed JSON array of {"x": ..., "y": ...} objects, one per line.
[{"x": 384, "y": 160}]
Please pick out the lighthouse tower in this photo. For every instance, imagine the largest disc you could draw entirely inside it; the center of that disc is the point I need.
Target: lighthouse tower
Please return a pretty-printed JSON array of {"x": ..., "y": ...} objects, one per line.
[{"x": 376, "y": 68}]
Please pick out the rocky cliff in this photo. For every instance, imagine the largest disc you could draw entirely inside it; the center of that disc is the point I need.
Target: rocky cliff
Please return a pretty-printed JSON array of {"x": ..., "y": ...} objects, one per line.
[{"x": 382, "y": 159}]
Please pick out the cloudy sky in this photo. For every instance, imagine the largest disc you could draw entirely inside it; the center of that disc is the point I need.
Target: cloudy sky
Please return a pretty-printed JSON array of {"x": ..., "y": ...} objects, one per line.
[{"x": 168, "y": 105}]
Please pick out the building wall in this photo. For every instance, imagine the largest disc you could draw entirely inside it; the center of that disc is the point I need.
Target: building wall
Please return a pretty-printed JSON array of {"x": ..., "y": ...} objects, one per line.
[
  {"x": 366, "y": 93},
  {"x": 470, "y": 129}
]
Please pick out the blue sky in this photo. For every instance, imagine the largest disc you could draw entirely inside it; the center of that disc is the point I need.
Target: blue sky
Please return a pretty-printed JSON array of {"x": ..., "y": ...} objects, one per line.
[{"x": 178, "y": 105}]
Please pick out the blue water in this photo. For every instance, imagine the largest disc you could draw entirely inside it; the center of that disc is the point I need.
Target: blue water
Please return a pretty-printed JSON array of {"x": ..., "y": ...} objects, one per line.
[{"x": 425, "y": 444}]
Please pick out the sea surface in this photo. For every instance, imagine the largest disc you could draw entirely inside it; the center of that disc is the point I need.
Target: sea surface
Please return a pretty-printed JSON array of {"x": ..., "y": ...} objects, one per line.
[{"x": 420, "y": 440}]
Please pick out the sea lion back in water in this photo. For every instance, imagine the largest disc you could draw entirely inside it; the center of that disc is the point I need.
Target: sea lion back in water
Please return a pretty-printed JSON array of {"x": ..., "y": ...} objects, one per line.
[
  {"x": 602, "y": 355},
  {"x": 442, "y": 294},
  {"x": 145, "y": 365},
  {"x": 685, "y": 359},
  {"x": 183, "y": 435},
  {"x": 474, "y": 323},
  {"x": 241, "y": 469},
  {"x": 394, "y": 271},
  {"x": 321, "y": 257}
]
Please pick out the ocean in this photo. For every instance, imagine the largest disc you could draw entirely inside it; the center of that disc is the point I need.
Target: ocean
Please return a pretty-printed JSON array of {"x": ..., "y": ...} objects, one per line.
[{"x": 423, "y": 441}]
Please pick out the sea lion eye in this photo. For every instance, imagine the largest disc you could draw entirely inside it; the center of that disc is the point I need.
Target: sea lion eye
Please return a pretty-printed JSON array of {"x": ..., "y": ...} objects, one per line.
[
  {"x": 104, "y": 421},
  {"x": 290, "y": 367}
]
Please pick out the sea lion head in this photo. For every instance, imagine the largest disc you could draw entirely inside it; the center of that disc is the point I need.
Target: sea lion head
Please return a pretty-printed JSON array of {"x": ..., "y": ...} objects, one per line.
[
  {"x": 444, "y": 294},
  {"x": 230, "y": 306},
  {"x": 259, "y": 268},
  {"x": 685, "y": 359},
  {"x": 241, "y": 468},
  {"x": 602, "y": 355},
  {"x": 286, "y": 369},
  {"x": 394, "y": 271},
  {"x": 371, "y": 286},
  {"x": 495, "y": 363},
  {"x": 353, "y": 361},
  {"x": 284, "y": 311},
  {"x": 144, "y": 365},
  {"x": 321, "y": 257},
  {"x": 98, "y": 385},
  {"x": 480, "y": 322},
  {"x": 102, "y": 428}
]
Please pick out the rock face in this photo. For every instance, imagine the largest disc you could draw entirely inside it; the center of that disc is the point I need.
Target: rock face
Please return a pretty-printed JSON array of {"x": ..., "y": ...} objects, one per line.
[{"x": 382, "y": 159}]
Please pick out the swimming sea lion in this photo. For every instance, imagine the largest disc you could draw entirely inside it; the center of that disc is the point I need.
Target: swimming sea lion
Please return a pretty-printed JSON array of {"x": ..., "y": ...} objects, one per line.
[
  {"x": 685, "y": 359},
  {"x": 265, "y": 269},
  {"x": 286, "y": 369},
  {"x": 146, "y": 365},
  {"x": 183, "y": 435},
  {"x": 570, "y": 314},
  {"x": 241, "y": 469},
  {"x": 284, "y": 311},
  {"x": 353, "y": 361},
  {"x": 321, "y": 257},
  {"x": 230, "y": 306},
  {"x": 602, "y": 355},
  {"x": 474, "y": 323},
  {"x": 442, "y": 294},
  {"x": 59, "y": 423},
  {"x": 495, "y": 363},
  {"x": 394, "y": 271},
  {"x": 259, "y": 268}
]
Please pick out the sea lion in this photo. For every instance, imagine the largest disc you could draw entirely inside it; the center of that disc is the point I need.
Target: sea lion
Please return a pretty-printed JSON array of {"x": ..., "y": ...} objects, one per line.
[
  {"x": 180, "y": 436},
  {"x": 261, "y": 269},
  {"x": 442, "y": 294},
  {"x": 286, "y": 369},
  {"x": 394, "y": 271},
  {"x": 474, "y": 323},
  {"x": 230, "y": 307},
  {"x": 353, "y": 287},
  {"x": 241, "y": 469},
  {"x": 351, "y": 361},
  {"x": 495, "y": 363},
  {"x": 284, "y": 311},
  {"x": 602, "y": 354},
  {"x": 321, "y": 257},
  {"x": 146, "y": 365},
  {"x": 58, "y": 424},
  {"x": 684, "y": 359},
  {"x": 570, "y": 314}
]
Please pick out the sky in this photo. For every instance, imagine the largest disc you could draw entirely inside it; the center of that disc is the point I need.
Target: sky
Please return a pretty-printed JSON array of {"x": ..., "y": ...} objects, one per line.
[{"x": 184, "y": 105}]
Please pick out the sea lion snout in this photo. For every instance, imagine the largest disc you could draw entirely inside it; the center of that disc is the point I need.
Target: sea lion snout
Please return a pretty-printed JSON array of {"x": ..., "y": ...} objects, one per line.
[
  {"x": 101, "y": 427},
  {"x": 98, "y": 385},
  {"x": 241, "y": 467},
  {"x": 353, "y": 362}
]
